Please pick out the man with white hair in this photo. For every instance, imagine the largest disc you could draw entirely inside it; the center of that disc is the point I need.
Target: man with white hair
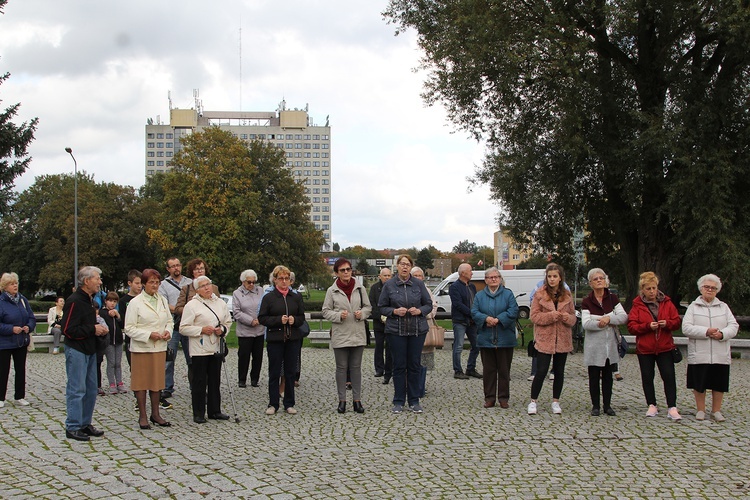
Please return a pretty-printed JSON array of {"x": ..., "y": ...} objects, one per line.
[
  {"x": 80, "y": 330},
  {"x": 462, "y": 292}
]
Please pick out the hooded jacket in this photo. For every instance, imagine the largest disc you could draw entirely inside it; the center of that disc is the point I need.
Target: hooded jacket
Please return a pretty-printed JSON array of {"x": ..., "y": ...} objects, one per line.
[{"x": 701, "y": 316}]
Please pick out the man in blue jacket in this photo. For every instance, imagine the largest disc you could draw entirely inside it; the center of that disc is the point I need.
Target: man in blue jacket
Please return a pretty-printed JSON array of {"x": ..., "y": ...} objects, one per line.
[
  {"x": 80, "y": 330},
  {"x": 462, "y": 292}
]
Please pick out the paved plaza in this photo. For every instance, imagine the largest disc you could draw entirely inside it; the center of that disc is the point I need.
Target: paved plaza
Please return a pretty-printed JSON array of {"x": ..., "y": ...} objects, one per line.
[{"x": 456, "y": 449}]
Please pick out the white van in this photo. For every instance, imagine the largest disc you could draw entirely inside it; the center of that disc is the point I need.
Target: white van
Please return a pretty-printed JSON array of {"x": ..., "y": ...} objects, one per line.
[{"x": 520, "y": 281}]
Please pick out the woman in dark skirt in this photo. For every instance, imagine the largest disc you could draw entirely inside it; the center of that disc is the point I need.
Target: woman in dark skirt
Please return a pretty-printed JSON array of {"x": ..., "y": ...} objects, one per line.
[{"x": 709, "y": 324}]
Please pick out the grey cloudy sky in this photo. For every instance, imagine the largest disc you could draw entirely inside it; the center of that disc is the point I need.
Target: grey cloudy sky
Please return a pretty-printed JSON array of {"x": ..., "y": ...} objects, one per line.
[{"x": 94, "y": 71}]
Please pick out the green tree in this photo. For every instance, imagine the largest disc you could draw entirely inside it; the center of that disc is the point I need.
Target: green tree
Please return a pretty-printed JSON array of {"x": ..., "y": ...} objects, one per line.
[
  {"x": 111, "y": 232},
  {"x": 465, "y": 246},
  {"x": 424, "y": 259},
  {"x": 362, "y": 267},
  {"x": 628, "y": 119},
  {"x": 536, "y": 261},
  {"x": 237, "y": 206},
  {"x": 14, "y": 143},
  {"x": 336, "y": 247}
]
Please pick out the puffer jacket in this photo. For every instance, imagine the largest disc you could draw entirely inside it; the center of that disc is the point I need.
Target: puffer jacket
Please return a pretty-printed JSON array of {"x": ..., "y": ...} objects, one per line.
[
  {"x": 349, "y": 332},
  {"x": 552, "y": 336},
  {"x": 500, "y": 304},
  {"x": 701, "y": 316},
  {"x": 648, "y": 341},
  {"x": 11, "y": 315}
]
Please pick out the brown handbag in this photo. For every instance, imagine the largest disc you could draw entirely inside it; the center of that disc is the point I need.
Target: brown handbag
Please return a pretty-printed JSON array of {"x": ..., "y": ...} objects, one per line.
[{"x": 435, "y": 335}]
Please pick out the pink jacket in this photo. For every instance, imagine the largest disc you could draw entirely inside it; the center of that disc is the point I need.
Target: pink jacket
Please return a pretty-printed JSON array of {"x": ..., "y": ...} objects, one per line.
[{"x": 550, "y": 335}]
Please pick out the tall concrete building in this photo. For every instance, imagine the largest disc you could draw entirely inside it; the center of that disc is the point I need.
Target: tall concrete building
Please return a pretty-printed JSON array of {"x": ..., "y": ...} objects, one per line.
[{"x": 307, "y": 147}]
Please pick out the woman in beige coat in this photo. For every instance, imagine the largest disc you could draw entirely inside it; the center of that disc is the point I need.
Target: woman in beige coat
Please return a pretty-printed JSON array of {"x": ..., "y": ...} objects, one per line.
[
  {"x": 206, "y": 320},
  {"x": 347, "y": 307},
  {"x": 553, "y": 315},
  {"x": 149, "y": 324}
]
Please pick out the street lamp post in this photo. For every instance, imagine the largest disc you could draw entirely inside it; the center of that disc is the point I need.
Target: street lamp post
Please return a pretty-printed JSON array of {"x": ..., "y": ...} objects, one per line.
[{"x": 75, "y": 217}]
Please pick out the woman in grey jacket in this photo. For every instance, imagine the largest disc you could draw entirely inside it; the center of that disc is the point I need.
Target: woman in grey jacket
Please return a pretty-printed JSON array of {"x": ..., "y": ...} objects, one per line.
[
  {"x": 709, "y": 324},
  {"x": 347, "y": 307},
  {"x": 245, "y": 305}
]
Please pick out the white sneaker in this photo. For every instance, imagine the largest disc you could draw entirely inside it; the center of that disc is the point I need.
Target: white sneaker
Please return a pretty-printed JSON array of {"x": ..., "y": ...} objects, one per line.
[
  {"x": 291, "y": 410},
  {"x": 21, "y": 402},
  {"x": 552, "y": 376},
  {"x": 556, "y": 408},
  {"x": 2, "y": 404},
  {"x": 270, "y": 410},
  {"x": 531, "y": 378},
  {"x": 532, "y": 408},
  {"x": 718, "y": 416},
  {"x": 652, "y": 411}
]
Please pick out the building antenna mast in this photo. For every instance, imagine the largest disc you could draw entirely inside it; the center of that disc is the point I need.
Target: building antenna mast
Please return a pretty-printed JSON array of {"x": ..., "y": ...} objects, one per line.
[{"x": 240, "y": 51}]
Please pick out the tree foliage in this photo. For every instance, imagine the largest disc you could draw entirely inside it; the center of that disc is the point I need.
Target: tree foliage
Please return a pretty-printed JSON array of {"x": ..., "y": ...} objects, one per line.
[
  {"x": 465, "y": 246},
  {"x": 38, "y": 232},
  {"x": 424, "y": 259},
  {"x": 235, "y": 205},
  {"x": 628, "y": 119}
]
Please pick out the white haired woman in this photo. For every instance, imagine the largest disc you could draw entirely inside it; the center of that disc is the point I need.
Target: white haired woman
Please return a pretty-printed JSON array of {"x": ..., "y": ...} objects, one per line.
[
  {"x": 709, "y": 324},
  {"x": 601, "y": 313},
  {"x": 245, "y": 306},
  {"x": 17, "y": 322},
  {"x": 206, "y": 320}
]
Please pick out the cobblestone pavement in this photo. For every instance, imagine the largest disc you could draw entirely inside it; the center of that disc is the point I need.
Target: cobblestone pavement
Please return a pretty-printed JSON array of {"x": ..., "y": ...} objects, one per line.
[{"x": 456, "y": 449}]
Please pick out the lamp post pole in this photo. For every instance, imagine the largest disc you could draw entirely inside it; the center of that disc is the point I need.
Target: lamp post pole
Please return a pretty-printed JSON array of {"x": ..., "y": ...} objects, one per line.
[{"x": 75, "y": 217}]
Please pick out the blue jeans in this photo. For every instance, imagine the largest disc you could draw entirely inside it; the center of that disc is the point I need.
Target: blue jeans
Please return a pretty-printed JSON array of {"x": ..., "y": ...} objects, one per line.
[
  {"x": 81, "y": 388},
  {"x": 460, "y": 330},
  {"x": 407, "y": 367},
  {"x": 169, "y": 367}
]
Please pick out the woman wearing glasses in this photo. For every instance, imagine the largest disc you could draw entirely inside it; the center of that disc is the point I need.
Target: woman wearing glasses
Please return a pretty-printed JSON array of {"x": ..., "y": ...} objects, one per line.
[
  {"x": 283, "y": 313},
  {"x": 405, "y": 302},
  {"x": 601, "y": 313},
  {"x": 709, "y": 324},
  {"x": 245, "y": 306},
  {"x": 347, "y": 307}
]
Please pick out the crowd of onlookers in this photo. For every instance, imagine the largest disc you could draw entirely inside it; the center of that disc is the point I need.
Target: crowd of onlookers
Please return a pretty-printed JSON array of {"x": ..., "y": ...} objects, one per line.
[{"x": 159, "y": 316}]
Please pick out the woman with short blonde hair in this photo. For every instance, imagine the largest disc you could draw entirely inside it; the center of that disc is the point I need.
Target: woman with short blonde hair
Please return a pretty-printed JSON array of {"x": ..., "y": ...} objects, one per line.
[{"x": 17, "y": 323}]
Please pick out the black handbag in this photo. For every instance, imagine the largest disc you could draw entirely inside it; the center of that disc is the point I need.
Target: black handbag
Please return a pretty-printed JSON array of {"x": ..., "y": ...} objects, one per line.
[
  {"x": 622, "y": 345},
  {"x": 531, "y": 349},
  {"x": 171, "y": 354},
  {"x": 676, "y": 355},
  {"x": 368, "y": 336}
]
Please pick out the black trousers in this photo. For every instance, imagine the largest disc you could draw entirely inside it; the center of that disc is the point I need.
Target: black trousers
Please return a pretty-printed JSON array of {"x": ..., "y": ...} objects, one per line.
[
  {"x": 558, "y": 368},
  {"x": 603, "y": 374},
  {"x": 19, "y": 364},
  {"x": 250, "y": 348},
  {"x": 206, "y": 375},
  {"x": 384, "y": 366},
  {"x": 666, "y": 370}
]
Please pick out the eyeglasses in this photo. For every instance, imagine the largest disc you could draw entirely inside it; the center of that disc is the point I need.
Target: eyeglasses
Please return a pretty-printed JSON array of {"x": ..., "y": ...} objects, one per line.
[
  {"x": 345, "y": 269},
  {"x": 492, "y": 277},
  {"x": 710, "y": 288},
  {"x": 283, "y": 278},
  {"x": 249, "y": 282},
  {"x": 175, "y": 265},
  {"x": 405, "y": 264},
  {"x": 598, "y": 278}
]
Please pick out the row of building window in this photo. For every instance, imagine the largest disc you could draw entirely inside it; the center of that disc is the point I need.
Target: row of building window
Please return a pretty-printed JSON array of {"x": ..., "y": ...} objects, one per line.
[
  {"x": 325, "y": 227},
  {"x": 316, "y": 199},
  {"x": 168, "y": 154},
  {"x": 150, "y": 163},
  {"x": 316, "y": 173},
  {"x": 288, "y": 137},
  {"x": 316, "y": 208},
  {"x": 306, "y": 155},
  {"x": 317, "y": 217},
  {"x": 160, "y": 135},
  {"x": 160, "y": 144}
]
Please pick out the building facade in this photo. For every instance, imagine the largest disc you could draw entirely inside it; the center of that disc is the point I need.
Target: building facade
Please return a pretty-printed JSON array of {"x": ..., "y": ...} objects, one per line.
[
  {"x": 307, "y": 147},
  {"x": 508, "y": 252}
]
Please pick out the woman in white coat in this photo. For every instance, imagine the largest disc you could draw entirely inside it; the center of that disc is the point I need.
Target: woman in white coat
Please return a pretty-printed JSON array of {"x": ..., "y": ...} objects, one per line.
[
  {"x": 347, "y": 307},
  {"x": 709, "y": 324}
]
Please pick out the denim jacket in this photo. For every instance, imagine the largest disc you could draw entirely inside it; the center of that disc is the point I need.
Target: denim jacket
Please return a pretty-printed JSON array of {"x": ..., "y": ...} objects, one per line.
[{"x": 409, "y": 293}]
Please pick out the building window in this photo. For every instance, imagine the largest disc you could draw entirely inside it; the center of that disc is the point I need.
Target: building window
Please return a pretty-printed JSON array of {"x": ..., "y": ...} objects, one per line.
[
  {"x": 159, "y": 144},
  {"x": 170, "y": 145},
  {"x": 297, "y": 145},
  {"x": 307, "y": 137},
  {"x": 290, "y": 155},
  {"x": 160, "y": 153},
  {"x": 243, "y": 136},
  {"x": 326, "y": 164},
  {"x": 297, "y": 163},
  {"x": 298, "y": 137},
  {"x": 316, "y": 146},
  {"x": 316, "y": 217},
  {"x": 160, "y": 136},
  {"x": 326, "y": 227},
  {"x": 307, "y": 190},
  {"x": 316, "y": 199},
  {"x": 150, "y": 172},
  {"x": 289, "y": 145},
  {"x": 316, "y": 172},
  {"x": 325, "y": 173},
  {"x": 325, "y": 155},
  {"x": 150, "y": 163},
  {"x": 316, "y": 191},
  {"x": 325, "y": 208},
  {"x": 253, "y": 136},
  {"x": 325, "y": 217},
  {"x": 325, "y": 137},
  {"x": 326, "y": 236},
  {"x": 307, "y": 155},
  {"x": 316, "y": 137},
  {"x": 317, "y": 226},
  {"x": 160, "y": 163},
  {"x": 169, "y": 154},
  {"x": 325, "y": 190},
  {"x": 150, "y": 154},
  {"x": 325, "y": 182},
  {"x": 307, "y": 145},
  {"x": 316, "y": 164},
  {"x": 261, "y": 136},
  {"x": 307, "y": 172},
  {"x": 316, "y": 181},
  {"x": 170, "y": 136},
  {"x": 316, "y": 155},
  {"x": 326, "y": 199},
  {"x": 149, "y": 136},
  {"x": 316, "y": 209},
  {"x": 516, "y": 256},
  {"x": 151, "y": 144}
]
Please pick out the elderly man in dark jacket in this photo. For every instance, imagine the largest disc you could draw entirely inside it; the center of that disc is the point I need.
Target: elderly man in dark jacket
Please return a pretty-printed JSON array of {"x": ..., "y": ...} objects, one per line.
[
  {"x": 382, "y": 369},
  {"x": 80, "y": 330},
  {"x": 462, "y": 292}
]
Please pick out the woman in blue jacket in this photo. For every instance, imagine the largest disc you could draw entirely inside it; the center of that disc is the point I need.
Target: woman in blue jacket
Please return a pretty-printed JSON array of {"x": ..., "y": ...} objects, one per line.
[
  {"x": 16, "y": 324},
  {"x": 495, "y": 311}
]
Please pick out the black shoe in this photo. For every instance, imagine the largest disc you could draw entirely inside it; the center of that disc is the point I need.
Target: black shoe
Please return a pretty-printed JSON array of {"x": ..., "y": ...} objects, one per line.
[
  {"x": 199, "y": 420},
  {"x": 144, "y": 427},
  {"x": 610, "y": 412},
  {"x": 254, "y": 383},
  {"x": 219, "y": 416},
  {"x": 243, "y": 384},
  {"x": 378, "y": 374},
  {"x": 461, "y": 376},
  {"x": 163, "y": 424},
  {"x": 90, "y": 430},
  {"x": 164, "y": 404},
  {"x": 342, "y": 407},
  {"x": 165, "y": 395},
  {"x": 595, "y": 412},
  {"x": 473, "y": 373},
  {"x": 77, "y": 435},
  {"x": 386, "y": 379},
  {"x": 358, "y": 407}
]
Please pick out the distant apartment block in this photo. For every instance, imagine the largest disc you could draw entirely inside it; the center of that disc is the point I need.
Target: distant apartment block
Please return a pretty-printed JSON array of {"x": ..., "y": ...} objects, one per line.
[
  {"x": 307, "y": 147},
  {"x": 509, "y": 253}
]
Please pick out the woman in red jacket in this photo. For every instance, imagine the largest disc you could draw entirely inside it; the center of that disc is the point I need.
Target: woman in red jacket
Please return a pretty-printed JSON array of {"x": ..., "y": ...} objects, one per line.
[{"x": 652, "y": 320}]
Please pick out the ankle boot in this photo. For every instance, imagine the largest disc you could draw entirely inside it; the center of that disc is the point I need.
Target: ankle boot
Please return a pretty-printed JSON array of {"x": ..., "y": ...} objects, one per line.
[
  {"x": 358, "y": 407},
  {"x": 342, "y": 407}
]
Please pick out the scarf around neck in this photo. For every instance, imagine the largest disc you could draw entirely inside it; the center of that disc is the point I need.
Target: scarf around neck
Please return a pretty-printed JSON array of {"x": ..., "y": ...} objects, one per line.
[{"x": 346, "y": 288}]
